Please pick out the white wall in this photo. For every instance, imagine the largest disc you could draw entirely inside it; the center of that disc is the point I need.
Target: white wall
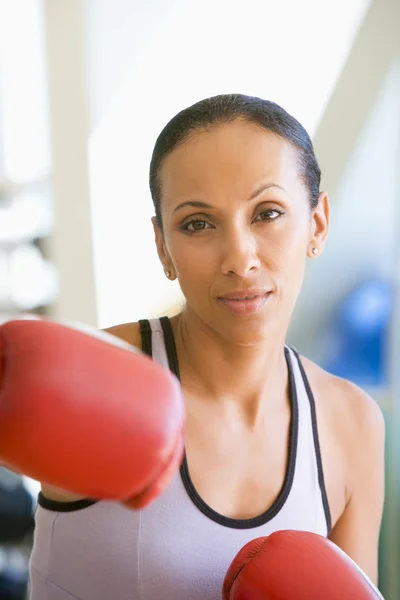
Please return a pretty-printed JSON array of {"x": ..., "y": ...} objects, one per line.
[
  {"x": 145, "y": 64},
  {"x": 23, "y": 98},
  {"x": 71, "y": 245}
]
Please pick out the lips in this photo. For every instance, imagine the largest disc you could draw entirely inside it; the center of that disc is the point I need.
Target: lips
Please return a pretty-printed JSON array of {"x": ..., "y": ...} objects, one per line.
[
  {"x": 244, "y": 294},
  {"x": 250, "y": 297},
  {"x": 245, "y": 302}
]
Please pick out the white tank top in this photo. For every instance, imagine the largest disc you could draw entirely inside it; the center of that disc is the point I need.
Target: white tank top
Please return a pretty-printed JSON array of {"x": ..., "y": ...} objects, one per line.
[{"x": 178, "y": 548}]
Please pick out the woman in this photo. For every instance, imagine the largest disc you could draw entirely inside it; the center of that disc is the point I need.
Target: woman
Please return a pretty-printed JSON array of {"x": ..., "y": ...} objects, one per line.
[{"x": 272, "y": 441}]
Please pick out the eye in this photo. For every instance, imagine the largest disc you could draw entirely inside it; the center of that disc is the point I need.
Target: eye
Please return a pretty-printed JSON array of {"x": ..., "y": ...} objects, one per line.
[
  {"x": 269, "y": 214},
  {"x": 195, "y": 225}
]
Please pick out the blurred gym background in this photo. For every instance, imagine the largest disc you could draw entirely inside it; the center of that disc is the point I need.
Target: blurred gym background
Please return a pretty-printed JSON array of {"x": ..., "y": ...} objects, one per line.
[{"x": 85, "y": 88}]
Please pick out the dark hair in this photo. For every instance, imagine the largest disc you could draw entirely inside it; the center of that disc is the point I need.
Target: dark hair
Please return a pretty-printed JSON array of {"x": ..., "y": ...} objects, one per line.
[{"x": 226, "y": 109}]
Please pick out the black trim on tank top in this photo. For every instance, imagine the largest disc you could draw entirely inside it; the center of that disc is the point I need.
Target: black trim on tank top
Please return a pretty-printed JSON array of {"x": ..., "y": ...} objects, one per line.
[
  {"x": 321, "y": 477},
  {"x": 57, "y": 506},
  {"x": 146, "y": 339},
  {"x": 277, "y": 505},
  {"x": 170, "y": 346}
]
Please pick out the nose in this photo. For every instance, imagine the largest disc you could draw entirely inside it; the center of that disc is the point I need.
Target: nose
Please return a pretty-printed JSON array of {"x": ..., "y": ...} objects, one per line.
[{"x": 240, "y": 254}]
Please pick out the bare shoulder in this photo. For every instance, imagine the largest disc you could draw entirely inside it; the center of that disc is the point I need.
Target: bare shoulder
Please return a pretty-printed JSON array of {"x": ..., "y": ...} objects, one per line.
[
  {"x": 345, "y": 401},
  {"x": 129, "y": 333}
]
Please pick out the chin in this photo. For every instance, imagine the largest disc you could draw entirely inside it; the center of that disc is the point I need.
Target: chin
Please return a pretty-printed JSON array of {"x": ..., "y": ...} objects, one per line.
[{"x": 246, "y": 332}]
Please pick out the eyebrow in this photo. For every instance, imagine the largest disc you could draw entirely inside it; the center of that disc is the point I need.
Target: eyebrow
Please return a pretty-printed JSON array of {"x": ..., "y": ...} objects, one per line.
[{"x": 199, "y": 204}]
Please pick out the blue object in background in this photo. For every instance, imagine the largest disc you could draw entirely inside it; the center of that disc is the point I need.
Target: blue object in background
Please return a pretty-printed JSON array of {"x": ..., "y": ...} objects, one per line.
[
  {"x": 14, "y": 575},
  {"x": 358, "y": 335}
]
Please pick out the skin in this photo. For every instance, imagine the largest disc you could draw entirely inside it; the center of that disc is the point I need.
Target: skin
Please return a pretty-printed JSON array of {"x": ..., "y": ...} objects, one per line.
[{"x": 257, "y": 230}]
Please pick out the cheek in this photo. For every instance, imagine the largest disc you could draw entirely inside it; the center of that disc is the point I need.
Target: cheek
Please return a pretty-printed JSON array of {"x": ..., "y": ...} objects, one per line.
[
  {"x": 285, "y": 247},
  {"x": 284, "y": 255},
  {"x": 195, "y": 262}
]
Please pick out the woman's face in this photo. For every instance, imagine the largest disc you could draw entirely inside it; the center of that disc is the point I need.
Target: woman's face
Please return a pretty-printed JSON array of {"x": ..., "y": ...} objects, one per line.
[{"x": 237, "y": 228}]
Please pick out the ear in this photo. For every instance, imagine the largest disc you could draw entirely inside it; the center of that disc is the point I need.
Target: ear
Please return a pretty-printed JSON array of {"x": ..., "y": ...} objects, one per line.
[
  {"x": 161, "y": 247},
  {"x": 319, "y": 226}
]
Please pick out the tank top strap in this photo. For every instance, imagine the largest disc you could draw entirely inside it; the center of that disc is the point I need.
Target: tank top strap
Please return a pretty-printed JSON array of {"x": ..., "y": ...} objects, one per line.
[
  {"x": 154, "y": 342},
  {"x": 308, "y": 442}
]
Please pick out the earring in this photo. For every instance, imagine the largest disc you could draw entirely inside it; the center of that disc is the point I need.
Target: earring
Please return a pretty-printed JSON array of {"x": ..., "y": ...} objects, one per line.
[
  {"x": 315, "y": 251},
  {"x": 167, "y": 273}
]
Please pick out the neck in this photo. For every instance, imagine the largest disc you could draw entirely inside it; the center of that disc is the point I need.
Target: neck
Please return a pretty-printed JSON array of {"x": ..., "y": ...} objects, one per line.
[{"x": 227, "y": 372}]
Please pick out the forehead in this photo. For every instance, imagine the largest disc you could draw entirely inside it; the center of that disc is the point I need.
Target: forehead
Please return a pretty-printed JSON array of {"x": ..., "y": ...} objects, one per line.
[{"x": 229, "y": 158}]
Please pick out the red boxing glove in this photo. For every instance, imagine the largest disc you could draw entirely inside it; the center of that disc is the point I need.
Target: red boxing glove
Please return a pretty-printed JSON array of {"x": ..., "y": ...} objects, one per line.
[
  {"x": 295, "y": 565},
  {"x": 87, "y": 415}
]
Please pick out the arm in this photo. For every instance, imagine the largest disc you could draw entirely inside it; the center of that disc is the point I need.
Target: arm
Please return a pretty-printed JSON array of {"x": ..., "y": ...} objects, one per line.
[{"x": 357, "y": 530}]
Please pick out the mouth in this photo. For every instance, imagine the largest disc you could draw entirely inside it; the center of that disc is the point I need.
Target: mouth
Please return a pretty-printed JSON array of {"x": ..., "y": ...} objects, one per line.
[{"x": 246, "y": 302}]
